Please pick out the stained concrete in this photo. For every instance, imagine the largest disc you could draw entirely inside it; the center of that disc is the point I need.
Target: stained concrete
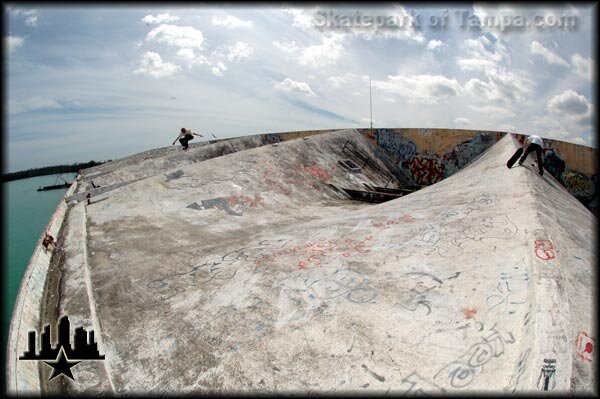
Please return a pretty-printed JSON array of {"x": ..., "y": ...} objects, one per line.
[{"x": 249, "y": 272}]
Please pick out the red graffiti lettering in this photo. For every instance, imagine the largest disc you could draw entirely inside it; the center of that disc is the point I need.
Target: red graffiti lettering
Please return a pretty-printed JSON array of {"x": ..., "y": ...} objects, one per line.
[
  {"x": 318, "y": 172},
  {"x": 584, "y": 347},
  {"x": 544, "y": 249}
]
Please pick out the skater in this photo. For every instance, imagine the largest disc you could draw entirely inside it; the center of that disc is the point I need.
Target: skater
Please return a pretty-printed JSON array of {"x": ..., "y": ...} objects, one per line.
[
  {"x": 48, "y": 241},
  {"x": 530, "y": 144},
  {"x": 185, "y": 136},
  {"x": 533, "y": 143}
]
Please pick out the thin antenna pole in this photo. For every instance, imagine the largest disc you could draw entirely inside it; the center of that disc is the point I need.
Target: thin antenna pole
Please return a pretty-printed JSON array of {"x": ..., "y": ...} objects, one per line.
[{"x": 371, "y": 102}]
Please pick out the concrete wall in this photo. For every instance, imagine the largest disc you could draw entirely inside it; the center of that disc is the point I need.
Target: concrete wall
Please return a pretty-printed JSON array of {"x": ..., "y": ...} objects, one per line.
[
  {"x": 426, "y": 156},
  {"x": 23, "y": 376}
]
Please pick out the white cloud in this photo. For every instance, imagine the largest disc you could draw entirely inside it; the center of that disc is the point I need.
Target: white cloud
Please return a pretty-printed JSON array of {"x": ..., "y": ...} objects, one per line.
[
  {"x": 475, "y": 64},
  {"x": 286, "y": 47},
  {"x": 548, "y": 55},
  {"x": 584, "y": 67},
  {"x": 153, "y": 65},
  {"x": 507, "y": 127},
  {"x": 433, "y": 44},
  {"x": 159, "y": 19},
  {"x": 427, "y": 89},
  {"x": 327, "y": 52},
  {"x": 239, "y": 51},
  {"x": 231, "y": 22},
  {"x": 339, "y": 81},
  {"x": 31, "y": 16},
  {"x": 303, "y": 17},
  {"x": 176, "y": 36},
  {"x": 571, "y": 104},
  {"x": 502, "y": 86},
  {"x": 493, "y": 111},
  {"x": 291, "y": 85},
  {"x": 14, "y": 42}
]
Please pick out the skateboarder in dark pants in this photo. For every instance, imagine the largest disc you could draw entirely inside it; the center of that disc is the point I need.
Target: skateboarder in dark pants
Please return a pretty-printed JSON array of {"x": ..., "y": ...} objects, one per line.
[
  {"x": 533, "y": 143},
  {"x": 185, "y": 136}
]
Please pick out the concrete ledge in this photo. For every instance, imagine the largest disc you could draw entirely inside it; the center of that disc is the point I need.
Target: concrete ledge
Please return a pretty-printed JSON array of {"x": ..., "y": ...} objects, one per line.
[{"x": 22, "y": 377}]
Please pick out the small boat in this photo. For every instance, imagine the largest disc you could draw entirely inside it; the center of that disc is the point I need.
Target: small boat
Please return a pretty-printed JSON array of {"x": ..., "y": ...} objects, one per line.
[{"x": 66, "y": 184}]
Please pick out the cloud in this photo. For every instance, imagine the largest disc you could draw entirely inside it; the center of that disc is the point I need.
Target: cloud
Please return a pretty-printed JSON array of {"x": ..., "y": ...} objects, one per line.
[
  {"x": 548, "y": 55},
  {"x": 31, "y": 16},
  {"x": 291, "y": 85},
  {"x": 239, "y": 51},
  {"x": 502, "y": 86},
  {"x": 584, "y": 67},
  {"x": 286, "y": 47},
  {"x": 176, "y": 36},
  {"x": 339, "y": 81},
  {"x": 433, "y": 44},
  {"x": 36, "y": 103},
  {"x": 427, "y": 89},
  {"x": 153, "y": 65},
  {"x": 475, "y": 64},
  {"x": 159, "y": 19},
  {"x": 493, "y": 111},
  {"x": 571, "y": 104},
  {"x": 462, "y": 121},
  {"x": 14, "y": 42},
  {"x": 231, "y": 22},
  {"x": 303, "y": 17},
  {"x": 328, "y": 52}
]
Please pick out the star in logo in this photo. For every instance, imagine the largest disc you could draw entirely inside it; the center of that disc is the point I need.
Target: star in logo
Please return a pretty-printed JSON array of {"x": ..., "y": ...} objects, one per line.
[{"x": 62, "y": 365}]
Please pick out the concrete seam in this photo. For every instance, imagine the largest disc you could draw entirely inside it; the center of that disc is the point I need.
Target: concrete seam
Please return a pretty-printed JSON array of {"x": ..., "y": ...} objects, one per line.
[{"x": 92, "y": 302}]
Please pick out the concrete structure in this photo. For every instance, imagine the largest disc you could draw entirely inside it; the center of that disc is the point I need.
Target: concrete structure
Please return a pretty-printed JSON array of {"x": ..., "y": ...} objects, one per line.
[{"x": 242, "y": 266}]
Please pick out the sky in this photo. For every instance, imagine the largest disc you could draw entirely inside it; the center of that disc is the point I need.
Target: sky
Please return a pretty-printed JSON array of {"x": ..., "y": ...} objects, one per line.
[{"x": 102, "y": 82}]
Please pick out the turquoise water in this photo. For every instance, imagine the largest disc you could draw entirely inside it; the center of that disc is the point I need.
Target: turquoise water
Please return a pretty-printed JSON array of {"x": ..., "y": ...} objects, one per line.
[{"x": 26, "y": 214}]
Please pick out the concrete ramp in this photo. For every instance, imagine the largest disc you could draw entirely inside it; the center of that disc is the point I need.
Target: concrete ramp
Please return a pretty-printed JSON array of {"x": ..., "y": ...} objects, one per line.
[{"x": 250, "y": 272}]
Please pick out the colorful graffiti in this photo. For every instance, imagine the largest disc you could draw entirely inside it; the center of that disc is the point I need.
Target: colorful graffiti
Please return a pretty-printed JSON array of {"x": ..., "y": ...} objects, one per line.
[
  {"x": 396, "y": 143},
  {"x": 582, "y": 187},
  {"x": 428, "y": 168}
]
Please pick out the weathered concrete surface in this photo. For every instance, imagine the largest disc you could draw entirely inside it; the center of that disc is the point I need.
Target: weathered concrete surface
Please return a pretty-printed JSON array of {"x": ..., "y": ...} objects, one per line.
[{"x": 249, "y": 272}]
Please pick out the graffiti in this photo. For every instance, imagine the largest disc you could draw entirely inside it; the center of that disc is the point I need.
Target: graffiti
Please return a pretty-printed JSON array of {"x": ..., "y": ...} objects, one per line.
[
  {"x": 554, "y": 164},
  {"x": 469, "y": 312},
  {"x": 483, "y": 199},
  {"x": 244, "y": 200},
  {"x": 175, "y": 175},
  {"x": 322, "y": 251},
  {"x": 521, "y": 367},
  {"x": 585, "y": 346},
  {"x": 424, "y": 132},
  {"x": 378, "y": 377},
  {"x": 578, "y": 184},
  {"x": 272, "y": 138},
  {"x": 281, "y": 182},
  {"x": 416, "y": 296},
  {"x": 219, "y": 268},
  {"x": 462, "y": 371},
  {"x": 233, "y": 205},
  {"x": 326, "y": 283},
  {"x": 546, "y": 381},
  {"x": 419, "y": 385},
  {"x": 386, "y": 224},
  {"x": 425, "y": 241},
  {"x": 318, "y": 172},
  {"x": 396, "y": 143},
  {"x": 544, "y": 249},
  {"x": 425, "y": 169},
  {"x": 486, "y": 228},
  {"x": 510, "y": 292}
]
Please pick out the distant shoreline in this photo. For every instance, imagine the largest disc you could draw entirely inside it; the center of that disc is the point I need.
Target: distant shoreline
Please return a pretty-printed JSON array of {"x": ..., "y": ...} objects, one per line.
[{"x": 49, "y": 170}]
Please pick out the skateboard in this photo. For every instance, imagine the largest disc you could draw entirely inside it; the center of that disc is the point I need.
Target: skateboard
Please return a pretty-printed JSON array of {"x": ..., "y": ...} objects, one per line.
[{"x": 514, "y": 158}]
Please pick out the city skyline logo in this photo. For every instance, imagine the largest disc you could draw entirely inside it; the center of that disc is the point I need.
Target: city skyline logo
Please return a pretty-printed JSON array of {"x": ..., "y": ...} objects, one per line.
[{"x": 63, "y": 356}]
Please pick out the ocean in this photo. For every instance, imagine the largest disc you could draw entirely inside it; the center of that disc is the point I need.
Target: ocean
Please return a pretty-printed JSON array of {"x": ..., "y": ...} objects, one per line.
[{"x": 26, "y": 214}]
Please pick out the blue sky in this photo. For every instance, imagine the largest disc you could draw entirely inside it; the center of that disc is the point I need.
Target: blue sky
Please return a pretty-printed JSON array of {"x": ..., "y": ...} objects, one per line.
[{"x": 100, "y": 83}]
